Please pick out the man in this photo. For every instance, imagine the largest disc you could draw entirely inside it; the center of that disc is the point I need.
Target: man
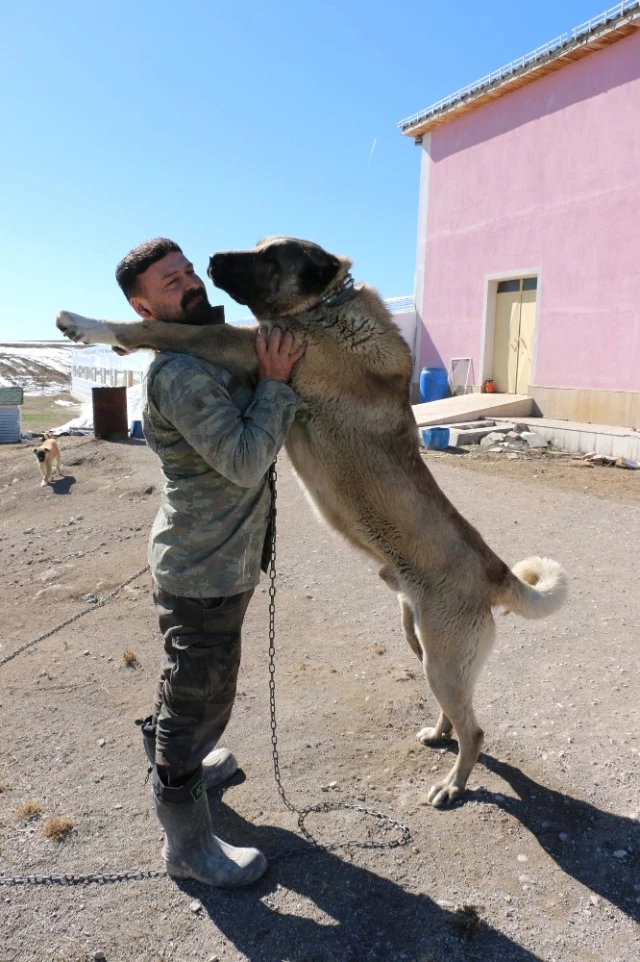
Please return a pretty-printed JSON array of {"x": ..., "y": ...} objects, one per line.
[{"x": 216, "y": 439}]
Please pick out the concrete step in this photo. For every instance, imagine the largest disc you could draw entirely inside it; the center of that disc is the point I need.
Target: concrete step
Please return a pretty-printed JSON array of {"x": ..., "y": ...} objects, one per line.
[{"x": 466, "y": 408}]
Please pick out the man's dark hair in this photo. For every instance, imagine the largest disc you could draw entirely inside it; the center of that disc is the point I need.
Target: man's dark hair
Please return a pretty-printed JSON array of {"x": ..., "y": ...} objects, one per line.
[{"x": 139, "y": 259}]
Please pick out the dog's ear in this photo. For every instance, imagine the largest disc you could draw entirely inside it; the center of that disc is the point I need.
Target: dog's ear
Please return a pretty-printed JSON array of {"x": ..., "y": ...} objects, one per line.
[{"x": 318, "y": 270}]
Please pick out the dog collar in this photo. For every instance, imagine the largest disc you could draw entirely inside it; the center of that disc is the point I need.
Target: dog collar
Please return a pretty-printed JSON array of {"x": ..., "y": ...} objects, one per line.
[{"x": 343, "y": 292}]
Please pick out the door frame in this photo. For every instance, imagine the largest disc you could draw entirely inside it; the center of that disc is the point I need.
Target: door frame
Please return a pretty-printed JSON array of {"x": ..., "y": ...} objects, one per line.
[{"x": 491, "y": 282}]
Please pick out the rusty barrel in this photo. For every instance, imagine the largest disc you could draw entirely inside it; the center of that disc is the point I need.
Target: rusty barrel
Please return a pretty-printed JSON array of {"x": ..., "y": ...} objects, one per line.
[{"x": 110, "y": 413}]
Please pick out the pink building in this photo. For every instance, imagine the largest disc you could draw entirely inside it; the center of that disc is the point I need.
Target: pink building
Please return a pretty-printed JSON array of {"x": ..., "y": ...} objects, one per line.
[{"x": 528, "y": 257}]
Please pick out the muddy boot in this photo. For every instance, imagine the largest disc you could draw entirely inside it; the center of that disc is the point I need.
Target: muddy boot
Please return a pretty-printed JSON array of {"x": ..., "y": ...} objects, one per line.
[
  {"x": 217, "y": 767},
  {"x": 191, "y": 850}
]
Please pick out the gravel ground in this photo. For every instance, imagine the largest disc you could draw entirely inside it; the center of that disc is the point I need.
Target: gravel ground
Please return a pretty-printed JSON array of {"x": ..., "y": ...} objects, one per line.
[{"x": 539, "y": 862}]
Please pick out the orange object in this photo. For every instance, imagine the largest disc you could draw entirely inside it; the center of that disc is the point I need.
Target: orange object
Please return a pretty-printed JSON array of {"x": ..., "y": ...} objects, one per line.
[{"x": 489, "y": 387}]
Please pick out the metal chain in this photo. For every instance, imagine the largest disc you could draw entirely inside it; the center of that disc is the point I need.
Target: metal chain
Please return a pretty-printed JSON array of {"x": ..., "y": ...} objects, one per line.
[
  {"x": 404, "y": 836},
  {"x": 102, "y": 878},
  {"x": 72, "y": 879},
  {"x": 69, "y": 621}
]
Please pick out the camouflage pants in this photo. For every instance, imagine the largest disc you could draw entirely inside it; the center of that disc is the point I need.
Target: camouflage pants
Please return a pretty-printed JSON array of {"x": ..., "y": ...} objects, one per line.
[{"x": 197, "y": 687}]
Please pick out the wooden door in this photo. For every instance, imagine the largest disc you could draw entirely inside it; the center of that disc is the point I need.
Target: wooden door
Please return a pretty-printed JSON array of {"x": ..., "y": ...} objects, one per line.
[{"x": 514, "y": 335}]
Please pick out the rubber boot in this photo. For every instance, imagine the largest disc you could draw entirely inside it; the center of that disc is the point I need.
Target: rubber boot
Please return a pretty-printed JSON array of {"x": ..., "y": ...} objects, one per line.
[
  {"x": 217, "y": 767},
  {"x": 191, "y": 850}
]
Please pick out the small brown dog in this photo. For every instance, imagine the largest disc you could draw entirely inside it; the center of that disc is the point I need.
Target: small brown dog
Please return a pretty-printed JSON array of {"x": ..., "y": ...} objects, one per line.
[{"x": 47, "y": 453}]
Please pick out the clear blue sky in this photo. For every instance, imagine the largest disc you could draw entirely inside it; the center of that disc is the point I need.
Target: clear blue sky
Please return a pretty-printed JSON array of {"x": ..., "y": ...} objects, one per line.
[{"x": 217, "y": 123}]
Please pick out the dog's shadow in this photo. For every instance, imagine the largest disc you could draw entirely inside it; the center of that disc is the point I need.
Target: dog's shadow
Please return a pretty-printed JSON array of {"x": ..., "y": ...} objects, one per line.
[
  {"x": 62, "y": 485},
  {"x": 598, "y": 849},
  {"x": 366, "y": 917}
]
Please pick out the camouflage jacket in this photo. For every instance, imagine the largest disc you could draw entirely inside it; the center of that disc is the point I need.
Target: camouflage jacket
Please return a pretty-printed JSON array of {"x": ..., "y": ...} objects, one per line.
[{"x": 216, "y": 439}]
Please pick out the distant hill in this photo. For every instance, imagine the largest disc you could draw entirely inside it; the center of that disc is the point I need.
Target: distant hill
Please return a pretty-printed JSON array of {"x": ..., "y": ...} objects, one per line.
[{"x": 39, "y": 367}]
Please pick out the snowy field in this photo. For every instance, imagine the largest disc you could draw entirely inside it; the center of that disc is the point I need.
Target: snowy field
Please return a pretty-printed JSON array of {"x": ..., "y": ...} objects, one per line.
[{"x": 39, "y": 367}]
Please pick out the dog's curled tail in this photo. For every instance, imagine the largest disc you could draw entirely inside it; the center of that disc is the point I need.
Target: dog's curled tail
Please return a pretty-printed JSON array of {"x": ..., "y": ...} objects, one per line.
[{"x": 534, "y": 588}]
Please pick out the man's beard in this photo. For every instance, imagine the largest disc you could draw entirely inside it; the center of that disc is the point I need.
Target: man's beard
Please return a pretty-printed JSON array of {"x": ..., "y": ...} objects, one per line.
[{"x": 194, "y": 309}]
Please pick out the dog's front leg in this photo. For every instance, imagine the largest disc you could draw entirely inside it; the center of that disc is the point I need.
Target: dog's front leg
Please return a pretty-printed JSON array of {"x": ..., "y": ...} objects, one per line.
[{"x": 230, "y": 347}]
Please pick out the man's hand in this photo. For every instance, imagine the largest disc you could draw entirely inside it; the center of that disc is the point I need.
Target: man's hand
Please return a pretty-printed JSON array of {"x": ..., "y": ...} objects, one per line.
[{"x": 276, "y": 356}]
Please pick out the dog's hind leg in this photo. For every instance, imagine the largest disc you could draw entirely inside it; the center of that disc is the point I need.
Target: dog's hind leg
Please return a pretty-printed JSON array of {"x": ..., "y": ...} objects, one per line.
[{"x": 452, "y": 669}]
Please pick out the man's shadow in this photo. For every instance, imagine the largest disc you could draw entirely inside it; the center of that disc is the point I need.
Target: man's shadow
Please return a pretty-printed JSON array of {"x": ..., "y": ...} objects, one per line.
[
  {"x": 62, "y": 485},
  {"x": 593, "y": 836},
  {"x": 367, "y": 918}
]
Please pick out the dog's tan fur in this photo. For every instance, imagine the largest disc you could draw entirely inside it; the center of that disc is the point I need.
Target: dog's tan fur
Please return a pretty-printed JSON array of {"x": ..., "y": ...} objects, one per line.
[
  {"x": 48, "y": 454},
  {"x": 355, "y": 449}
]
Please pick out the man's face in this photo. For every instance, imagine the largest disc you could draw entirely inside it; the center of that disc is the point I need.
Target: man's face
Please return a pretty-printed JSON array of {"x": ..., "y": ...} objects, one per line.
[{"x": 170, "y": 290}]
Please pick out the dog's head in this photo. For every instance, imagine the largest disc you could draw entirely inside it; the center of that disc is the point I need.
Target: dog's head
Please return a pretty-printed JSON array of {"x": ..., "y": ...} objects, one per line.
[
  {"x": 280, "y": 276},
  {"x": 40, "y": 453}
]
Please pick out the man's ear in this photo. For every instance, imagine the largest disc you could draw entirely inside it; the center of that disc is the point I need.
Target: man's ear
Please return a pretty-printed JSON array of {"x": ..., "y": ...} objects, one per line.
[{"x": 141, "y": 307}]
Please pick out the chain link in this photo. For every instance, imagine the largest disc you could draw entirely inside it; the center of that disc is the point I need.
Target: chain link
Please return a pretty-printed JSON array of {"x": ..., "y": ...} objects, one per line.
[
  {"x": 404, "y": 835},
  {"x": 72, "y": 879},
  {"x": 69, "y": 621}
]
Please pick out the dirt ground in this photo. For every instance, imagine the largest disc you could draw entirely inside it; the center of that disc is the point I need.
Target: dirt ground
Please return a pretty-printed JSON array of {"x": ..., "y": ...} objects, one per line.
[{"x": 539, "y": 862}]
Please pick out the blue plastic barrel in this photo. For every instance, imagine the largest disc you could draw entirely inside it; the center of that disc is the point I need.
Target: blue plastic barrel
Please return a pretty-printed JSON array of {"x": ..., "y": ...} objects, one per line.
[
  {"x": 434, "y": 384},
  {"x": 136, "y": 430},
  {"x": 437, "y": 439}
]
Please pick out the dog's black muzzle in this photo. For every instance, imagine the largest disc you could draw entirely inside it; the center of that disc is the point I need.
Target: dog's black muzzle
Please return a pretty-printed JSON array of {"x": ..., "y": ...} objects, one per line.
[
  {"x": 40, "y": 454},
  {"x": 229, "y": 274}
]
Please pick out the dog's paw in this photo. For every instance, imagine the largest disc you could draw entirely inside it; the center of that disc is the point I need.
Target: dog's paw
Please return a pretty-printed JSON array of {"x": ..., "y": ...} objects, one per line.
[
  {"x": 84, "y": 330},
  {"x": 444, "y": 793},
  {"x": 431, "y": 736}
]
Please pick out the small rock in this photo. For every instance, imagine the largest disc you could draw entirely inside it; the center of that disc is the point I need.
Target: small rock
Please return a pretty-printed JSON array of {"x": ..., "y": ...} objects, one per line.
[
  {"x": 332, "y": 784},
  {"x": 90, "y": 599},
  {"x": 99, "y": 957},
  {"x": 511, "y": 456},
  {"x": 490, "y": 439},
  {"x": 196, "y": 907},
  {"x": 28, "y": 530},
  {"x": 86, "y": 652},
  {"x": 621, "y": 853},
  {"x": 563, "y": 836},
  {"x": 594, "y": 900},
  {"x": 523, "y": 858},
  {"x": 117, "y": 805},
  {"x": 533, "y": 440},
  {"x": 101, "y": 743}
]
